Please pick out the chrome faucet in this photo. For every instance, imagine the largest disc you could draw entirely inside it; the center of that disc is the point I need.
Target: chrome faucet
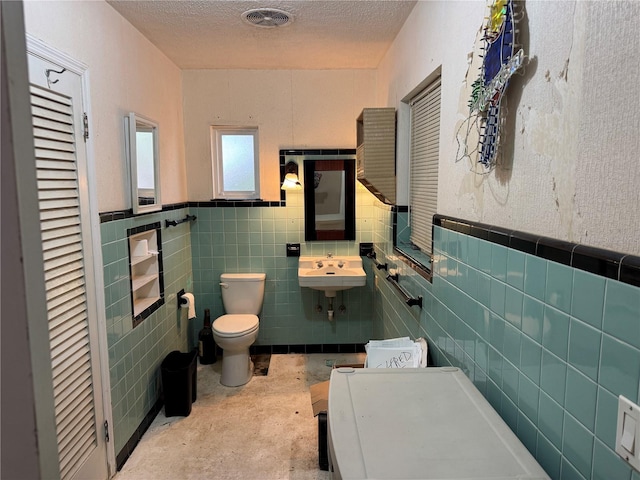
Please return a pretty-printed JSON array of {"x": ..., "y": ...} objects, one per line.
[
  {"x": 319, "y": 263},
  {"x": 329, "y": 255}
]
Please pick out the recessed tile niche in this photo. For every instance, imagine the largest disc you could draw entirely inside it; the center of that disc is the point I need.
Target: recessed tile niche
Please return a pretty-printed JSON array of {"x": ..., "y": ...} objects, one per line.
[{"x": 145, "y": 268}]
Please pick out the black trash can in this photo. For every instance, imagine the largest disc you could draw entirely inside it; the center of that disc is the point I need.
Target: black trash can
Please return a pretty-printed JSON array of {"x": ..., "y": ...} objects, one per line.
[{"x": 179, "y": 382}]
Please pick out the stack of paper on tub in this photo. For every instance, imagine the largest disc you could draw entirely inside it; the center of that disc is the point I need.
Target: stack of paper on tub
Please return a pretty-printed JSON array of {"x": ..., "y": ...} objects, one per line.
[{"x": 396, "y": 353}]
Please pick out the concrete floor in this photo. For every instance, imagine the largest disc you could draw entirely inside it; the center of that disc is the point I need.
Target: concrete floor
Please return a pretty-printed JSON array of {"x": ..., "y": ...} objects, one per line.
[{"x": 262, "y": 430}]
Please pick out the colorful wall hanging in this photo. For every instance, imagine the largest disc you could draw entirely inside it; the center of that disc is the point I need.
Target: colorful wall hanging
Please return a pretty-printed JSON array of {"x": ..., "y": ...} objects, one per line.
[{"x": 499, "y": 62}]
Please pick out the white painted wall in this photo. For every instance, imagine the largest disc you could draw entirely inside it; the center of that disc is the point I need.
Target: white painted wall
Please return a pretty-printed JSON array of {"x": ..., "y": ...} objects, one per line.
[
  {"x": 127, "y": 73},
  {"x": 572, "y": 146},
  {"x": 571, "y": 155},
  {"x": 291, "y": 108}
]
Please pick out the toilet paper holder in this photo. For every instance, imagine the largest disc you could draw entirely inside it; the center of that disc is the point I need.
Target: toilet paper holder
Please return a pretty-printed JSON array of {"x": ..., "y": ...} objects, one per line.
[{"x": 181, "y": 301}]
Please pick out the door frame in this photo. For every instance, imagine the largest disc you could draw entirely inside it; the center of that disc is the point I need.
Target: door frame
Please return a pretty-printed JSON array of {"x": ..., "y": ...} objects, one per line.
[
  {"x": 30, "y": 405},
  {"x": 41, "y": 49}
]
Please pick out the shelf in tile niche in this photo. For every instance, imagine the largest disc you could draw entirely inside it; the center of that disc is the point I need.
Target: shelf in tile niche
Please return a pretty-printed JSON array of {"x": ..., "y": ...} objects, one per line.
[
  {"x": 142, "y": 258},
  {"x": 143, "y": 303},
  {"x": 141, "y": 280},
  {"x": 145, "y": 271}
]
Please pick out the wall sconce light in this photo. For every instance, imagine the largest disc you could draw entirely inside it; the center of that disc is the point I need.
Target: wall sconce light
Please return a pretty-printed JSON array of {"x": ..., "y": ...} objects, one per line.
[{"x": 291, "y": 180}]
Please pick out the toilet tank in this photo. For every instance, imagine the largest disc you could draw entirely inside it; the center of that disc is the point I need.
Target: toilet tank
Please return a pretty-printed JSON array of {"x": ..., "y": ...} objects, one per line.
[{"x": 242, "y": 292}]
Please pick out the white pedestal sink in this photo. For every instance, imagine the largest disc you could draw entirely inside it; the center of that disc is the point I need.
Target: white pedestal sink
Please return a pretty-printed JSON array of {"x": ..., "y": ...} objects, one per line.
[{"x": 330, "y": 274}]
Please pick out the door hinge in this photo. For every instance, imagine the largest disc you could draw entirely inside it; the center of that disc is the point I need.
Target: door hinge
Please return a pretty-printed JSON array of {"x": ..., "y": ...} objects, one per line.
[
  {"x": 85, "y": 121},
  {"x": 106, "y": 431}
]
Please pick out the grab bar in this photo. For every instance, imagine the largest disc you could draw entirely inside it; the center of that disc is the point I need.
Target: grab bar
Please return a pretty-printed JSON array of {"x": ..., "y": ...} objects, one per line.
[
  {"x": 409, "y": 300},
  {"x": 379, "y": 266},
  {"x": 173, "y": 223}
]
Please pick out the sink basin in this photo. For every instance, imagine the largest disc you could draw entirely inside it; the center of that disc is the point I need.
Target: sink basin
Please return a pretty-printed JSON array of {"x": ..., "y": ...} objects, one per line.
[{"x": 331, "y": 274}]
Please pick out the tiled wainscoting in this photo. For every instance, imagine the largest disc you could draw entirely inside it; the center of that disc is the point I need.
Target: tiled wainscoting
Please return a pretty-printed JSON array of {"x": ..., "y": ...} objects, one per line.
[
  {"x": 135, "y": 354},
  {"x": 225, "y": 237},
  {"x": 548, "y": 332},
  {"x": 234, "y": 238},
  {"x": 551, "y": 346}
]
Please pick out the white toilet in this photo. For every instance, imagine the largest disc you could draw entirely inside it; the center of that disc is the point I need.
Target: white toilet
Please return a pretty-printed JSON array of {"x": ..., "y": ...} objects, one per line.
[{"x": 242, "y": 296}]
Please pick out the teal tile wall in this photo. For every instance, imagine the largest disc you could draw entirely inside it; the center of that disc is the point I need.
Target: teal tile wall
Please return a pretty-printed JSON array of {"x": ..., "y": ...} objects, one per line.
[
  {"x": 253, "y": 239},
  {"x": 135, "y": 354},
  {"x": 550, "y": 347},
  {"x": 403, "y": 229}
]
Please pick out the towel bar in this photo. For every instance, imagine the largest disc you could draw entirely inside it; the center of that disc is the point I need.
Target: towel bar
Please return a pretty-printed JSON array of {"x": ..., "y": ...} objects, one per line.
[
  {"x": 379, "y": 266},
  {"x": 409, "y": 300},
  {"x": 173, "y": 223}
]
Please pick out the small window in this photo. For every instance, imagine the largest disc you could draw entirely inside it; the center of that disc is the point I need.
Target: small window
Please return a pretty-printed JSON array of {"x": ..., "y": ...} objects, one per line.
[
  {"x": 234, "y": 152},
  {"x": 413, "y": 223}
]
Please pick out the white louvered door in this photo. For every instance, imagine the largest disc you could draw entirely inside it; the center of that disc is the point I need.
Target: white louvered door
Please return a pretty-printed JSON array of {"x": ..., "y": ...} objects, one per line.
[{"x": 57, "y": 127}]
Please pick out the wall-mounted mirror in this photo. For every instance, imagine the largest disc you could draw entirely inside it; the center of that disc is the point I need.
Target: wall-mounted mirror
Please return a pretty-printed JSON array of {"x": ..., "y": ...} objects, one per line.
[
  {"x": 141, "y": 146},
  {"x": 329, "y": 199}
]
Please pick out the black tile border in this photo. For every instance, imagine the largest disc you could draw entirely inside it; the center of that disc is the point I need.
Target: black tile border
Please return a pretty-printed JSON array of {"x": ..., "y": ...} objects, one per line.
[
  {"x": 123, "y": 214},
  {"x": 605, "y": 263},
  {"x": 117, "y": 215},
  {"x": 124, "y": 454},
  {"x": 317, "y": 151},
  {"x": 598, "y": 261},
  {"x": 236, "y": 203},
  {"x": 630, "y": 270}
]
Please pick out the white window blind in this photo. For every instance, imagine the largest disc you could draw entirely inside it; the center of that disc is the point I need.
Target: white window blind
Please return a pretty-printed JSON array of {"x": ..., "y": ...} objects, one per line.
[
  {"x": 58, "y": 195},
  {"x": 425, "y": 138}
]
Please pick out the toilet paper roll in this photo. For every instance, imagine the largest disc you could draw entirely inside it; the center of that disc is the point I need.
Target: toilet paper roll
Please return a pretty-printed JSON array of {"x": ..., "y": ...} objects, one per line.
[{"x": 191, "y": 304}]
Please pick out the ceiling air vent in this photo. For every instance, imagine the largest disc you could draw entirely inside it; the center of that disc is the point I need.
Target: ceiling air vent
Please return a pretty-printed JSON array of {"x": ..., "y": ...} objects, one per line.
[{"x": 267, "y": 17}]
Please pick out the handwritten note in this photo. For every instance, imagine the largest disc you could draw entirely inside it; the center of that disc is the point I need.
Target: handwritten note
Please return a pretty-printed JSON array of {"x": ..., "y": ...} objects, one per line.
[
  {"x": 402, "y": 360},
  {"x": 393, "y": 353}
]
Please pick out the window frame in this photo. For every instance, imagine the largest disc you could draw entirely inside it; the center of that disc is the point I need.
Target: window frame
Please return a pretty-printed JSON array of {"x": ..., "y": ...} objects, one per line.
[
  {"x": 418, "y": 259},
  {"x": 217, "y": 162}
]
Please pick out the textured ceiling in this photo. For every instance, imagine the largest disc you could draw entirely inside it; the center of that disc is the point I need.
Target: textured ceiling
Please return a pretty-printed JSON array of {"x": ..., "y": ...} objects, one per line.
[{"x": 324, "y": 34}]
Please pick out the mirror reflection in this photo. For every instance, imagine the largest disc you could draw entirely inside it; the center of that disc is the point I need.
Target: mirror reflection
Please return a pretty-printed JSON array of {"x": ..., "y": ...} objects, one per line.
[
  {"x": 329, "y": 198},
  {"x": 141, "y": 143}
]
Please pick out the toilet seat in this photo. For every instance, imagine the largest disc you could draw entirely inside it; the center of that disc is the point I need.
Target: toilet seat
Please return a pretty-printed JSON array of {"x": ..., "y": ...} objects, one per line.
[{"x": 235, "y": 325}]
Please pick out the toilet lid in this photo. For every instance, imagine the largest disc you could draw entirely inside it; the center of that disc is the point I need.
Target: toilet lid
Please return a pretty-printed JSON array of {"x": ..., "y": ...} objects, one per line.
[{"x": 235, "y": 324}]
